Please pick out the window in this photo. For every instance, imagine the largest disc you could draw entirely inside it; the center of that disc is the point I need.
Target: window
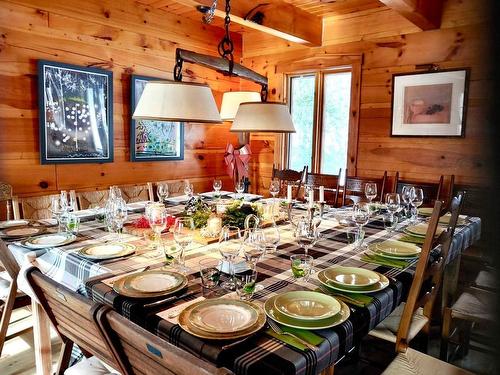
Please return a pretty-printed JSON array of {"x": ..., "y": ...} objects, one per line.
[{"x": 320, "y": 107}]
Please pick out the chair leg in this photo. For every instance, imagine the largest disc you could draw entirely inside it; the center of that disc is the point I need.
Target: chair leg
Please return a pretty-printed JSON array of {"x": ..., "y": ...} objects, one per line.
[
  {"x": 6, "y": 313},
  {"x": 445, "y": 334},
  {"x": 64, "y": 356},
  {"x": 466, "y": 338}
]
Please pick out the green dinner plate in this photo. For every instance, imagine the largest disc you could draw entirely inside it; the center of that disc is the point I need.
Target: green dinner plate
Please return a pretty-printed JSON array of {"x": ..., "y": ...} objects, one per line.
[
  {"x": 351, "y": 276},
  {"x": 420, "y": 230},
  {"x": 425, "y": 211},
  {"x": 49, "y": 240},
  {"x": 307, "y": 305},
  {"x": 273, "y": 313},
  {"x": 395, "y": 249},
  {"x": 382, "y": 284},
  {"x": 106, "y": 251}
]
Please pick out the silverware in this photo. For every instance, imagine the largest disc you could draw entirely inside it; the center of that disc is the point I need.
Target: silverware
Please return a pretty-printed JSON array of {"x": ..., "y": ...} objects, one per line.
[
  {"x": 169, "y": 299},
  {"x": 279, "y": 331}
]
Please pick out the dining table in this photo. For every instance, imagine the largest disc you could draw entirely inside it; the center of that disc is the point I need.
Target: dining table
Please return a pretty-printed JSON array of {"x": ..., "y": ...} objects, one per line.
[{"x": 261, "y": 352}]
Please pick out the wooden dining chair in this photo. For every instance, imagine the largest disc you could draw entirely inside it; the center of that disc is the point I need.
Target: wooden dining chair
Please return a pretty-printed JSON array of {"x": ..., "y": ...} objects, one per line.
[
  {"x": 137, "y": 193},
  {"x": 91, "y": 198},
  {"x": 147, "y": 353},
  {"x": 354, "y": 188},
  {"x": 290, "y": 177},
  {"x": 413, "y": 317},
  {"x": 10, "y": 297},
  {"x": 432, "y": 191},
  {"x": 33, "y": 208},
  {"x": 72, "y": 316},
  {"x": 330, "y": 182}
]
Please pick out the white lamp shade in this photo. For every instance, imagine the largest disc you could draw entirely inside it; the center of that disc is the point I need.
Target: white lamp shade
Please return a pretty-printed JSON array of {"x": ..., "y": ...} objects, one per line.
[
  {"x": 231, "y": 101},
  {"x": 263, "y": 117},
  {"x": 177, "y": 101}
]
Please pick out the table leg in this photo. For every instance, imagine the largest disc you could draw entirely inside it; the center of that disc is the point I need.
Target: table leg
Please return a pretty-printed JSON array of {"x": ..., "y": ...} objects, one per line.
[{"x": 41, "y": 338}]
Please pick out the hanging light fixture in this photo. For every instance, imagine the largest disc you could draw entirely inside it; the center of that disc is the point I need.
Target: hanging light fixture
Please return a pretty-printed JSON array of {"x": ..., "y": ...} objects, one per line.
[
  {"x": 231, "y": 100},
  {"x": 271, "y": 117}
]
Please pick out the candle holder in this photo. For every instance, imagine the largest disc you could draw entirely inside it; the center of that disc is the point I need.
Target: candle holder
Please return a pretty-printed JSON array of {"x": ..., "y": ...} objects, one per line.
[{"x": 289, "y": 212}]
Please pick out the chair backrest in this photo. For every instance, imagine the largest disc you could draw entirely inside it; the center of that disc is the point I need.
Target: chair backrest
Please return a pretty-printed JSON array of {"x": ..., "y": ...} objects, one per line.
[
  {"x": 428, "y": 273},
  {"x": 33, "y": 208},
  {"x": 290, "y": 177},
  {"x": 354, "y": 188},
  {"x": 8, "y": 261},
  {"x": 94, "y": 198},
  {"x": 137, "y": 193},
  {"x": 147, "y": 353},
  {"x": 331, "y": 183},
  {"x": 432, "y": 191},
  {"x": 71, "y": 314}
]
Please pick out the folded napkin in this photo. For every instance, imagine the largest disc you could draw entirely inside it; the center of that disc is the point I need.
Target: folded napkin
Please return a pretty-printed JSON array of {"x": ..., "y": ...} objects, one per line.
[
  {"x": 383, "y": 261},
  {"x": 308, "y": 336}
]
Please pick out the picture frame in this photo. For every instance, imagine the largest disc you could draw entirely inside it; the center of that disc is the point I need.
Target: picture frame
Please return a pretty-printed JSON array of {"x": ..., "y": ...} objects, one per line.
[
  {"x": 430, "y": 104},
  {"x": 152, "y": 140},
  {"x": 75, "y": 113}
]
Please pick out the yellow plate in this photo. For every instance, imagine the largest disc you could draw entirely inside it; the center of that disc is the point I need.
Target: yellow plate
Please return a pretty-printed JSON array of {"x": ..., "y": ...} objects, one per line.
[{"x": 396, "y": 248}]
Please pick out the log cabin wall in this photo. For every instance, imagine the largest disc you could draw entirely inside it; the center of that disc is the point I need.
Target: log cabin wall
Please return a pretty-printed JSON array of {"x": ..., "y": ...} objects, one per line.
[
  {"x": 391, "y": 44},
  {"x": 121, "y": 36}
]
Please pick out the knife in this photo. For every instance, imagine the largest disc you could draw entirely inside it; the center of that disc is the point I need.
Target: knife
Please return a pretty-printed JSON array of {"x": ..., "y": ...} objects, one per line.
[{"x": 169, "y": 299}]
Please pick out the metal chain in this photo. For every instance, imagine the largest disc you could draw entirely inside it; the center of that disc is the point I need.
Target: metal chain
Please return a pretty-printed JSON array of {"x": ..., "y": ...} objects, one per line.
[
  {"x": 226, "y": 46},
  {"x": 209, "y": 15},
  {"x": 178, "y": 67}
]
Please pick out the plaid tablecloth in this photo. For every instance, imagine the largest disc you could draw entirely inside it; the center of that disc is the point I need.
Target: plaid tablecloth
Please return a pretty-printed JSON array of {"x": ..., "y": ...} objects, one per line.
[{"x": 261, "y": 353}]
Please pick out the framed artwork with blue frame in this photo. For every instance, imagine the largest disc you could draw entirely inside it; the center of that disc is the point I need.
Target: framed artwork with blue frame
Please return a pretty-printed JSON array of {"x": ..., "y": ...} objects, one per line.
[
  {"x": 152, "y": 140},
  {"x": 75, "y": 113}
]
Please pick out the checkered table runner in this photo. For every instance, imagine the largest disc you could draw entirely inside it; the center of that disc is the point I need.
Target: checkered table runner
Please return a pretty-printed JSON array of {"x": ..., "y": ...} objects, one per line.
[{"x": 260, "y": 353}]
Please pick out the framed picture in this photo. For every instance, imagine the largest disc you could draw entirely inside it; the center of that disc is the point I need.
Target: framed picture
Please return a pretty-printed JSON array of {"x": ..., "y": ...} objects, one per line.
[
  {"x": 76, "y": 113},
  {"x": 152, "y": 140},
  {"x": 430, "y": 104}
]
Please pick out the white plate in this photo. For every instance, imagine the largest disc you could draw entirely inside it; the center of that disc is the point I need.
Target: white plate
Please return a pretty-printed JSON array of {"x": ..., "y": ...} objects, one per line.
[
  {"x": 106, "y": 251},
  {"x": 211, "y": 194},
  {"x": 22, "y": 232},
  {"x": 49, "y": 240},
  {"x": 137, "y": 205},
  {"x": 90, "y": 212},
  {"x": 154, "y": 282},
  {"x": 178, "y": 199},
  {"x": 246, "y": 196},
  {"x": 13, "y": 223}
]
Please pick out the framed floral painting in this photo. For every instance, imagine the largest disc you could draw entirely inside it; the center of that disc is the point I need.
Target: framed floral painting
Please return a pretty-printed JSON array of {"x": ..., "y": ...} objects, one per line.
[
  {"x": 430, "y": 104},
  {"x": 76, "y": 113},
  {"x": 152, "y": 140}
]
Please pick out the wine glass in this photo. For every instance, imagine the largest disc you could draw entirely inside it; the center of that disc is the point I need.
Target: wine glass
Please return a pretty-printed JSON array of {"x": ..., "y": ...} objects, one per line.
[
  {"x": 274, "y": 188},
  {"x": 416, "y": 200},
  {"x": 229, "y": 247},
  {"x": 162, "y": 192},
  {"x": 188, "y": 189},
  {"x": 57, "y": 209},
  {"x": 306, "y": 234},
  {"x": 393, "y": 202},
  {"x": 72, "y": 206},
  {"x": 272, "y": 238},
  {"x": 254, "y": 246},
  {"x": 370, "y": 191},
  {"x": 119, "y": 215},
  {"x": 157, "y": 218},
  {"x": 217, "y": 185},
  {"x": 405, "y": 195},
  {"x": 183, "y": 236},
  {"x": 360, "y": 216},
  {"x": 240, "y": 188}
]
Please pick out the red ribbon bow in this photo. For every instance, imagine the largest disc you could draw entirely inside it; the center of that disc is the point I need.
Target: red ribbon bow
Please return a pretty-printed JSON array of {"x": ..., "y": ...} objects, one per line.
[{"x": 237, "y": 160}]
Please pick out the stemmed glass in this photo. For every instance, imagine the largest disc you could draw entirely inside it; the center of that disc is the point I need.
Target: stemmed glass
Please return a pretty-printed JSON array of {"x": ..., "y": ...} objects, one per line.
[
  {"x": 360, "y": 216},
  {"x": 272, "y": 238},
  {"x": 393, "y": 202},
  {"x": 162, "y": 192},
  {"x": 240, "y": 188},
  {"x": 183, "y": 236},
  {"x": 416, "y": 200},
  {"x": 119, "y": 215},
  {"x": 157, "y": 218},
  {"x": 405, "y": 195},
  {"x": 217, "y": 185},
  {"x": 306, "y": 234},
  {"x": 370, "y": 191},
  {"x": 229, "y": 247},
  {"x": 274, "y": 188},
  {"x": 254, "y": 246},
  {"x": 58, "y": 206},
  {"x": 188, "y": 189}
]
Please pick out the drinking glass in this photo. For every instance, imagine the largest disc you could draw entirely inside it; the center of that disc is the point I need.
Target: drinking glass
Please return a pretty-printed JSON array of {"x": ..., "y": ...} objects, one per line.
[
  {"x": 360, "y": 216},
  {"x": 58, "y": 207},
  {"x": 162, "y": 192},
  {"x": 245, "y": 285},
  {"x": 217, "y": 185},
  {"x": 157, "y": 218},
  {"x": 405, "y": 195},
  {"x": 240, "y": 188},
  {"x": 72, "y": 206},
  {"x": 119, "y": 215},
  {"x": 183, "y": 236},
  {"x": 229, "y": 247},
  {"x": 254, "y": 246},
  {"x": 73, "y": 224},
  {"x": 390, "y": 222},
  {"x": 416, "y": 200},
  {"x": 274, "y": 188},
  {"x": 370, "y": 191},
  {"x": 393, "y": 202},
  {"x": 302, "y": 265},
  {"x": 210, "y": 272},
  {"x": 272, "y": 238},
  {"x": 306, "y": 234}
]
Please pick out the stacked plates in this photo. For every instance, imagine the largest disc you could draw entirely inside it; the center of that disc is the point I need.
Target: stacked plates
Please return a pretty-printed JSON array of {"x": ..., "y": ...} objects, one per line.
[
  {"x": 445, "y": 219},
  {"x": 106, "y": 251},
  {"x": 306, "y": 310},
  {"x": 150, "y": 284},
  {"x": 222, "y": 319},
  {"x": 352, "y": 280},
  {"x": 49, "y": 240},
  {"x": 420, "y": 230},
  {"x": 13, "y": 223},
  {"x": 16, "y": 232},
  {"x": 394, "y": 249}
]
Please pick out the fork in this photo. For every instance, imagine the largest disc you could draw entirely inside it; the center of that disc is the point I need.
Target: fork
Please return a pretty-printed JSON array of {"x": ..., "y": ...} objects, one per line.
[{"x": 279, "y": 331}]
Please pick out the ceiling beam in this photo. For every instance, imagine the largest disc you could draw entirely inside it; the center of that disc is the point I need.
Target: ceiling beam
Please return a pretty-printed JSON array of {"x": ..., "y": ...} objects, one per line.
[
  {"x": 276, "y": 17},
  {"x": 425, "y": 14}
]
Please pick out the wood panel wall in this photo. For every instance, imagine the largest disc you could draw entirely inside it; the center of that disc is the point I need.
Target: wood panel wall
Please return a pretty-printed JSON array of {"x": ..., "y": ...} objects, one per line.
[
  {"x": 121, "y": 36},
  {"x": 391, "y": 44}
]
